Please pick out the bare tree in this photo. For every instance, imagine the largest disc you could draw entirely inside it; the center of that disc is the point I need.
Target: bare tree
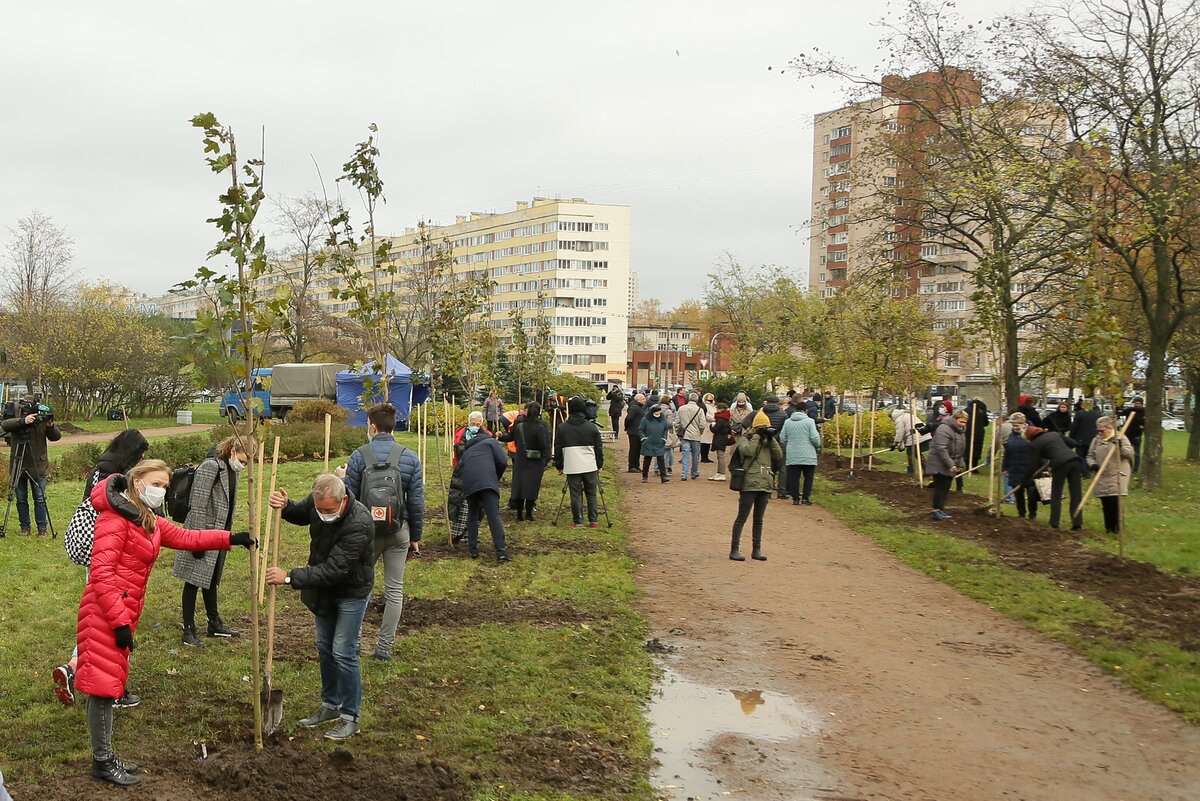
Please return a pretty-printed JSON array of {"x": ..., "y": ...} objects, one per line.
[
  {"x": 963, "y": 165},
  {"x": 40, "y": 255},
  {"x": 303, "y": 223},
  {"x": 1125, "y": 74}
]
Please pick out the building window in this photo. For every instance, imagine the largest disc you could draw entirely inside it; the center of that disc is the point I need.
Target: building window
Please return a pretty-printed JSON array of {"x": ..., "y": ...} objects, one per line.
[
  {"x": 950, "y": 359},
  {"x": 840, "y": 150},
  {"x": 841, "y": 132},
  {"x": 929, "y": 250},
  {"x": 839, "y": 238},
  {"x": 839, "y": 255}
]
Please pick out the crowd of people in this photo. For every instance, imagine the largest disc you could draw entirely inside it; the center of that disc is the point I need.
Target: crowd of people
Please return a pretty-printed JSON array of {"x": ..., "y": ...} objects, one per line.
[
  {"x": 372, "y": 509},
  {"x": 1042, "y": 458}
]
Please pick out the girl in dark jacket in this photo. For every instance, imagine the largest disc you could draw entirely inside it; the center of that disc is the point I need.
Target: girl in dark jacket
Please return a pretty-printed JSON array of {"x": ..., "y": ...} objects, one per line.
[
  {"x": 653, "y": 431},
  {"x": 722, "y": 430},
  {"x": 214, "y": 497},
  {"x": 126, "y": 449},
  {"x": 531, "y": 434},
  {"x": 1017, "y": 452},
  {"x": 129, "y": 534}
]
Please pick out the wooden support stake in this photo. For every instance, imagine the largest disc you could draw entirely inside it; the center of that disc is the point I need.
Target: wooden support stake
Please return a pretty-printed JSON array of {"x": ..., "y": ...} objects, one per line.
[
  {"x": 262, "y": 579},
  {"x": 917, "y": 445},
  {"x": 871, "y": 458}
]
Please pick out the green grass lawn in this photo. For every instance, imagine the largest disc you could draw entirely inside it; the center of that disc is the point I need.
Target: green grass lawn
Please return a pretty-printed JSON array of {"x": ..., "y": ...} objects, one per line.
[
  {"x": 458, "y": 693},
  {"x": 202, "y": 413}
]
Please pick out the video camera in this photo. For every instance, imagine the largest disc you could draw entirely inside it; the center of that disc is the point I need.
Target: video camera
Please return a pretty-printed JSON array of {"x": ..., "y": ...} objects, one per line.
[
  {"x": 23, "y": 408},
  {"x": 767, "y": 432}
]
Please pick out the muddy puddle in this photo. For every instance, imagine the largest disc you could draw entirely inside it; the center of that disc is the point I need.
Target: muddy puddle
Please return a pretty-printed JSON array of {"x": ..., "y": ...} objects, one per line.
[{"x": 714, "y": 742}]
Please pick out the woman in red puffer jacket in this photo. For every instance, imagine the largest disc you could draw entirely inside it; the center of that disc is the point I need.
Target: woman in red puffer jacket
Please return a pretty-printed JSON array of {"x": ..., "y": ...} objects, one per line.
[{"x": 128, "y": 536}]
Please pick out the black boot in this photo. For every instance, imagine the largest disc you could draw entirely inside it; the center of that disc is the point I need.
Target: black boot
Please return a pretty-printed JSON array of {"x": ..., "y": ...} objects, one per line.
[
  {"x": 111, "y": 771},
  {"x": 529, "y": 511},
  {"x": 190, "y": 638},
  {"x": 734, "y": 553},
  {"x": 757, "y": 553},
  {"x": 217, "y": 628},
  {"x": 520, "y": 514}
]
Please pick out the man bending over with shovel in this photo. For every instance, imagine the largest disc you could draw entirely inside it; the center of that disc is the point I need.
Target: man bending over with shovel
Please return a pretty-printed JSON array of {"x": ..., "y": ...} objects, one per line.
[{"x": 335, "y": 586}]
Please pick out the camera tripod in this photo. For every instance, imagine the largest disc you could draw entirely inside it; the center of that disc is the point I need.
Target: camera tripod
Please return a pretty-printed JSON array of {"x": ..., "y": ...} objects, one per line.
[{"x": 19, "y": 450}]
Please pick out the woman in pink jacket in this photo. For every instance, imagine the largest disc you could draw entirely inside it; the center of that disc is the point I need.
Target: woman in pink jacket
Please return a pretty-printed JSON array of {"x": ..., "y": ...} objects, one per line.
[{"x": 129, "y": 533}]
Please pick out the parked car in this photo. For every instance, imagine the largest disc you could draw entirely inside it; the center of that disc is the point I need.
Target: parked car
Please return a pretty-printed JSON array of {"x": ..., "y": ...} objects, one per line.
[{"x": 1172, "y": 423}]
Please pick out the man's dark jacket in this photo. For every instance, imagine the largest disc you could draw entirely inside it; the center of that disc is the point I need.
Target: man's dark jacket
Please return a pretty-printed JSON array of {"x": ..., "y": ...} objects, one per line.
[
  {"x": 1083, "y": 428},
  {"x": 37, "y": 456},
  {"x": 482, "y": 463},
  {"x": 777, "y": 414},
  {"x": 1048, "y": 447},
  {"x": 634, "y": 416},
  {"x": 341, "y": 554}
]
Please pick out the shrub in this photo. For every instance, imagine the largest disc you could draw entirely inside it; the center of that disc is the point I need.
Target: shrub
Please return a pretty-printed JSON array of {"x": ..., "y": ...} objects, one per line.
[
  {"x": 77, "y": 462},
  {"x": 885, "y": 431},
  {"x": 314, "y": 411},
  {"x": 437, "y": 419},
  {"x": 176, "y": 451}
]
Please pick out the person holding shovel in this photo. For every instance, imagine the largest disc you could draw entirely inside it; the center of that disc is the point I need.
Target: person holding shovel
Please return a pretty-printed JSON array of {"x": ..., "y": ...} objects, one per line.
[
  {"x": 1114, "y": 481},
  {"x": 335, "y": 585},
  {"x": 1015, "y": 465},
  {"x": 1066, "y": 468},
  {"x": 946, "y": 460},
  {"x": 129, "y": 534}
]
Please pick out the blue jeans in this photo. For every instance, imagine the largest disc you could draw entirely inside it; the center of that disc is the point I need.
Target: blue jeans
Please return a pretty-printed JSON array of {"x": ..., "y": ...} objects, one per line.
[
  {"x": 691, "y": 448},
  {"x": 39, "y": 502},
  {"x": 337, "y": 649}
]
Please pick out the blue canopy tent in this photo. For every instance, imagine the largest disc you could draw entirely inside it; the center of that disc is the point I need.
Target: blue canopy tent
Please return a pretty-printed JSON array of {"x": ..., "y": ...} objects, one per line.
[{"x": 352, "y": 386}]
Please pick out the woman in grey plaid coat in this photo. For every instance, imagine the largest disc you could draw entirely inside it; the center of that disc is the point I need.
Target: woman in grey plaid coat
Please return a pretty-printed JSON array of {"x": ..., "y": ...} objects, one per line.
[{"x": 213, "y": 500}]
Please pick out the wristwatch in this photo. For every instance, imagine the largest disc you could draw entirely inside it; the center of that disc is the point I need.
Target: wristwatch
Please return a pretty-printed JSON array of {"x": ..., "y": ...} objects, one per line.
[{"x": 287, "y": 579}]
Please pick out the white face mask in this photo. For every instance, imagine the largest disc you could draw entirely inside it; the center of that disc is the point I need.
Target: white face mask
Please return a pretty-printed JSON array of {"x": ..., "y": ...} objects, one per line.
[
  {"x": 236, "y": 464},
  {"x": 329, "y": 518},
  {"x": 153, "y": 496}
]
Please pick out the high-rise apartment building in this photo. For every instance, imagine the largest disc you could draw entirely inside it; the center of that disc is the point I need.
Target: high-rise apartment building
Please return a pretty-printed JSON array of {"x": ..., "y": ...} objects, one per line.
[
  {"x": 852, "y": 233},
  {"x": 569, "y": 256}
]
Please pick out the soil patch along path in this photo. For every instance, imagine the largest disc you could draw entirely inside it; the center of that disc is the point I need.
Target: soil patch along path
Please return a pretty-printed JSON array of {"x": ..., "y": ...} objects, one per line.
[
  {"x": 148, "y": 433},
  {"x": 914, "y": 691}
]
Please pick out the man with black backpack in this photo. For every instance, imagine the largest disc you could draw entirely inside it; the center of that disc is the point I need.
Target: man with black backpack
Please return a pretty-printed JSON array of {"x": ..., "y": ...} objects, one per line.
[{"x": 386, "y": 477}]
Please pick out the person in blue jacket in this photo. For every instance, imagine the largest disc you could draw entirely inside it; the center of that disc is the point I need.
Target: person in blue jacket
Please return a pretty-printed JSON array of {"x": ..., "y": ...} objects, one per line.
[
  {"x": 801, "y": 448},
  {"x": 405, "y": 537}
]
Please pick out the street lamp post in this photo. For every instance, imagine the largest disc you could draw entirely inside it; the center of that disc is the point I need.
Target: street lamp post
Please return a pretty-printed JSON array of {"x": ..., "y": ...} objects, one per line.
[{"x": 712, "y": 347}]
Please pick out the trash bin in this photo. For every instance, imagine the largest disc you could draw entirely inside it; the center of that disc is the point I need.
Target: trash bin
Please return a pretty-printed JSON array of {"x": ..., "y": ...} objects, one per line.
[{"x": 183, "y": 418}]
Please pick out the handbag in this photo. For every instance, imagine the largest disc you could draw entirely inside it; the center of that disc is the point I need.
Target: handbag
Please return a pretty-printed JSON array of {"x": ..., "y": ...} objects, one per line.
[
  {"x": 738, "y": 468},
  {"x": 1044, "y": 488},
  {"x": 81, "y": 532}
]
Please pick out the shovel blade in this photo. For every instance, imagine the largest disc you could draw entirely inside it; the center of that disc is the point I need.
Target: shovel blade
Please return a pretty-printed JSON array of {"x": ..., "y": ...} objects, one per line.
[{"x": 272, "y": 706}]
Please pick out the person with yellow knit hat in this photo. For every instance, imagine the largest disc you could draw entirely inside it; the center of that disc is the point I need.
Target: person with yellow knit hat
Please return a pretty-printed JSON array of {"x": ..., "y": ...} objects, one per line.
[{"x": 760, "y": 455}]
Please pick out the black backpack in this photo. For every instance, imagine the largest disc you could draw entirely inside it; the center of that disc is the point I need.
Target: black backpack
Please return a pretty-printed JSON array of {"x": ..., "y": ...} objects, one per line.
[
  {"x": 382, "y": 488},
  {"x": 179, "y": 492}
]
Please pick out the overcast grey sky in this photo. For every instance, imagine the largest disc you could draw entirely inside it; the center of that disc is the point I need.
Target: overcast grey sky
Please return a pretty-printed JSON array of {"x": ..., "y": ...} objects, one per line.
[{"x": 665, "y": 106}]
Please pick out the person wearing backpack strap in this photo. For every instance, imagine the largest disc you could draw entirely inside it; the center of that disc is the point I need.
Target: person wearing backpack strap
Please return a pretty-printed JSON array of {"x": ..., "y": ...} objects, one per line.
[
  {"x": 398, "y": 538},
  {"x": 758, "y": 453},
  {"x": 211, "y": 506}
]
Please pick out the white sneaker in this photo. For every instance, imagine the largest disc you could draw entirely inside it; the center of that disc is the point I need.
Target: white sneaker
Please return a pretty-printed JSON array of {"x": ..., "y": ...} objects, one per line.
[{"x": 718, "y": 477}]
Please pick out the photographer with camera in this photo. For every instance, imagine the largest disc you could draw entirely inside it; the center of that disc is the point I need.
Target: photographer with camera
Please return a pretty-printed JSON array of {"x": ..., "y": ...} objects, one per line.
[
  {"x": 760, "y": 457},
  {"x": 28, "y": 426}
]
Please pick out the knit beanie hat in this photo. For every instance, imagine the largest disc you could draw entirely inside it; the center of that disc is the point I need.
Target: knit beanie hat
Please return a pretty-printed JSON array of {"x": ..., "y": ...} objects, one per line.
[
  {"x": 948, "y": 404},
  {"x": 761, "y": 419}
]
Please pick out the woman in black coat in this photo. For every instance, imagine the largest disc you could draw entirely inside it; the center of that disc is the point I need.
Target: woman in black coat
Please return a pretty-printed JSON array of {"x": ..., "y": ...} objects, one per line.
[
  {"x": 532, "y": 435},
  {"x": 1048, "y": 447},
  {"x": 1060, "y": 419}
]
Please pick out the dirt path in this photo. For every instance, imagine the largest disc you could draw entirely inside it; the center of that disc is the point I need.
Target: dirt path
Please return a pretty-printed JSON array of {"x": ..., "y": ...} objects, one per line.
[
  {"x": 908, "y": 690},
  {"x": 148, "y": 433}
]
